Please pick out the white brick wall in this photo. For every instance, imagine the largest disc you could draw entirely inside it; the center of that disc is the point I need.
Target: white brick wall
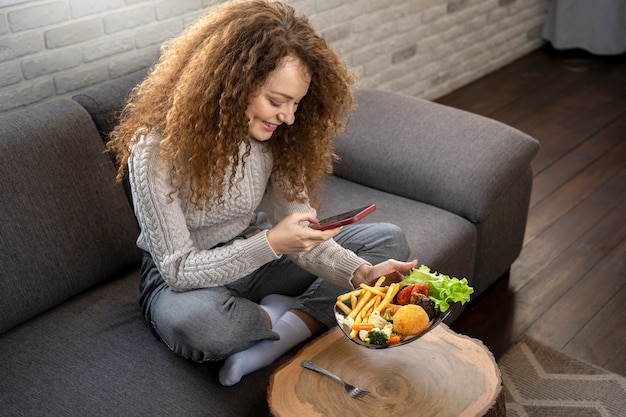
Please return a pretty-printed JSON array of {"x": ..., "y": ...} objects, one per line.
[{"x": 425, "y": 48}]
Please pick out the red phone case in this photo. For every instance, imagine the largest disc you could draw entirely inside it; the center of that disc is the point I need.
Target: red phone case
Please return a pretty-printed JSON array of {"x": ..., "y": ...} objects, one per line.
[{"x": 344, "y": 218}]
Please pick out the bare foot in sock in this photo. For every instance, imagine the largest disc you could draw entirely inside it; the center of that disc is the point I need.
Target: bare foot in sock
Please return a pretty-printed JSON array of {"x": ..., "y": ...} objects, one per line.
[{"x": 292, "y": 331}]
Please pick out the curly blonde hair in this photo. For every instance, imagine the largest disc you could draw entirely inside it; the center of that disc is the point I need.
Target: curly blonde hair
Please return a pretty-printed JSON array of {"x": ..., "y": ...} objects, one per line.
[{"x": 196, "y": 96}]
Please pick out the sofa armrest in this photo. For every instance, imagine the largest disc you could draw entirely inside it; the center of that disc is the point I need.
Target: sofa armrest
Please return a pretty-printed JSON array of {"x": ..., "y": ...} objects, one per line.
[
  {"x": 65, "y": 224},
  {"x": 449, "y": 158}
]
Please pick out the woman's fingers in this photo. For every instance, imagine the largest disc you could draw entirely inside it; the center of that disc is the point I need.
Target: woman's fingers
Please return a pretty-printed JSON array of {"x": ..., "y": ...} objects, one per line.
[{"x": 290, "y": 236}]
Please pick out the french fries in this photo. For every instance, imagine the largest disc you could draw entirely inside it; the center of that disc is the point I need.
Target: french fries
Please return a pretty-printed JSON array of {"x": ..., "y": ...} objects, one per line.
[{"x": 365, "y": 300}]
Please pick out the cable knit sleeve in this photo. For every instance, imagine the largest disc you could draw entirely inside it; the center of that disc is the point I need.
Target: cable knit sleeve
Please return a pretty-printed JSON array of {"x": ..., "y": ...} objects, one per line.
[{"x": 165, "y": 233}]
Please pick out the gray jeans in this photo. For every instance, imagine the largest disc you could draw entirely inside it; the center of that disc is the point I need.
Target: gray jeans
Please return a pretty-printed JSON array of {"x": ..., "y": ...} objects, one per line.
[{"x": 213, "y": 323}]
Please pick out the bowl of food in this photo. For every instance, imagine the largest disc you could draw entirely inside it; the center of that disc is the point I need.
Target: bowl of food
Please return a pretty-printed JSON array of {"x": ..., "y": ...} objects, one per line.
[{"x": 380, "y": 317}]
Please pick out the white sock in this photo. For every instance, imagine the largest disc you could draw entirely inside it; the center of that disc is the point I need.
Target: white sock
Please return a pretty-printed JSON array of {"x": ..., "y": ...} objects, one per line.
[
  {"x": 292, "y": 331},
  {"x": 275, "y": 305}
]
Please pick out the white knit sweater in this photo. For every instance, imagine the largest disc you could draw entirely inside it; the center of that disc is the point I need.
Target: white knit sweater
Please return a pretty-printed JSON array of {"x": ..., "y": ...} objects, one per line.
[{"x": 182, "y": 239}]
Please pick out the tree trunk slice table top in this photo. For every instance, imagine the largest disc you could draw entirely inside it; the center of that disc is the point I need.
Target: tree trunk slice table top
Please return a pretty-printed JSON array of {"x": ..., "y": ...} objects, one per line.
[{"x": 440, "y": 374}]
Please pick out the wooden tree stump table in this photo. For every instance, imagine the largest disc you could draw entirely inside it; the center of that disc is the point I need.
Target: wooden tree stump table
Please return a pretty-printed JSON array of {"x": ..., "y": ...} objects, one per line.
[{"x": 441, "y": 374}]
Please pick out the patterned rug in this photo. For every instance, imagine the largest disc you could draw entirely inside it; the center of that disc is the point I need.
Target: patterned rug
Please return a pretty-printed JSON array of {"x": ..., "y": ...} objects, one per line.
[{"x": 541, "y": 382}]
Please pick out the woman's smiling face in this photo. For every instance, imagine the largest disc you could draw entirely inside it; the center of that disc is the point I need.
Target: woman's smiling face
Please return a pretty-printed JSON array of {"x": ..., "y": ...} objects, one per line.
[{"x": 277, "y": 100}]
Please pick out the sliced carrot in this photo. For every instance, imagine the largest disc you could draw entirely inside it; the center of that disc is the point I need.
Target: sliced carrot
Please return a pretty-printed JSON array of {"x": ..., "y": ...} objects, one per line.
[
  {"x": 394, "y": 340},
  {"x": 362, "y": 326}
]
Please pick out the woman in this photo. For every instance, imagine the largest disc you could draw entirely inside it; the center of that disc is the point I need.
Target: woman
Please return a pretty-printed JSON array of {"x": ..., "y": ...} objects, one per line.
[{"x": 210, "y": 133}]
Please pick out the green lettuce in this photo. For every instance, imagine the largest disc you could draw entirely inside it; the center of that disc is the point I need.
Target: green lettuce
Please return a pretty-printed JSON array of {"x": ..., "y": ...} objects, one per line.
[{"x": 443, "y": 290}]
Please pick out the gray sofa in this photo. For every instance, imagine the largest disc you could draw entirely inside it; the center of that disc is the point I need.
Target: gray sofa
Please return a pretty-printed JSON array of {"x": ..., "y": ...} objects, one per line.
[{"x": 72, "y": 339}]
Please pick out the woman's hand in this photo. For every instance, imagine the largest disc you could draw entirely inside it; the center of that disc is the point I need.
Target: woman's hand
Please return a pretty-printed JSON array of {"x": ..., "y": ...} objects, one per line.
[
  {"x": 368, "y": 274},
  {"x": 289, "y": 236}
]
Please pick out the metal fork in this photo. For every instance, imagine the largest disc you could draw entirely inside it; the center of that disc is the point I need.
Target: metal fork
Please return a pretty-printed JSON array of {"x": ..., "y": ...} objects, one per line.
[{"x": 351, "y": 390}]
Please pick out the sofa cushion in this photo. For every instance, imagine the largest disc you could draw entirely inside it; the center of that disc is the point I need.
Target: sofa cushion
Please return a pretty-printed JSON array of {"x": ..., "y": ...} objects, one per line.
[
  {"x": 442, "y": 240},
  {"x": 94, "y": 356},
  {"x": 104, "y": 104},
  {"x": 65, "y": 224},
  {"x": 105, "y": 101}
]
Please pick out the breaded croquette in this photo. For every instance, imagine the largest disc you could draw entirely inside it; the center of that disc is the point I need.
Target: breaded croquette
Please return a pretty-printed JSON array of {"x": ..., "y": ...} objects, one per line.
[{"x": 410, "y": 320}]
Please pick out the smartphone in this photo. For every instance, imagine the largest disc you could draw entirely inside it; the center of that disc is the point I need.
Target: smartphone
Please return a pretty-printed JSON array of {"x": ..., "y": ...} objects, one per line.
[{"x": 344, "y": 218}]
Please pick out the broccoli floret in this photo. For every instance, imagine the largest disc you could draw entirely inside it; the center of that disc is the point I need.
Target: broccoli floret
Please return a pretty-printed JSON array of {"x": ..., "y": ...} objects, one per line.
[{"x": 376, "y": 337}]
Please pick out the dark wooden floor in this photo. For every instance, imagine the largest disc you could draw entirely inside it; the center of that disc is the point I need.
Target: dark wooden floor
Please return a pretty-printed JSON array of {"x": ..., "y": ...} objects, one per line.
[{"x": 568, "y": 287}]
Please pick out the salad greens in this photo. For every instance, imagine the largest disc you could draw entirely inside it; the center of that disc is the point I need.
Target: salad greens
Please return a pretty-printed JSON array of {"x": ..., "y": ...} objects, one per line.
[{"x": 443, "y": 289}]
